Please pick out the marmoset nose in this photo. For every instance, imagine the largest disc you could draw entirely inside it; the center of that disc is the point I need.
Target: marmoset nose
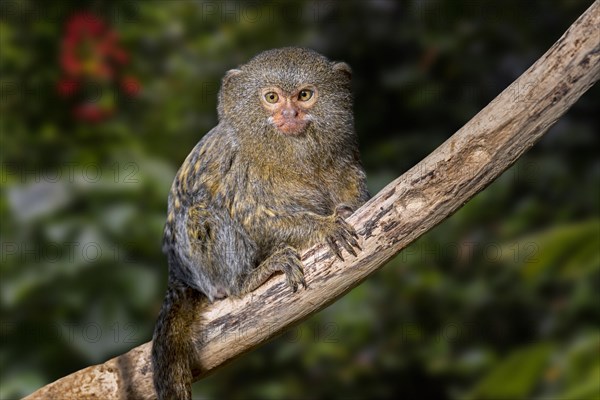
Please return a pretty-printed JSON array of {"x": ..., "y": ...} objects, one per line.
[{"x": 289, "y": 112}]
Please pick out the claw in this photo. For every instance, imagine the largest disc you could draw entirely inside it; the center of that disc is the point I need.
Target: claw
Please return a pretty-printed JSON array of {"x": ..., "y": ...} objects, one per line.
[
  {"x": 349, "y": 248},
  {"x": 292, "y": 267},
  {"x": 334, "y": 247},
  {"x": 346, "y": 241},
  {"x": 354, "y": 243}
]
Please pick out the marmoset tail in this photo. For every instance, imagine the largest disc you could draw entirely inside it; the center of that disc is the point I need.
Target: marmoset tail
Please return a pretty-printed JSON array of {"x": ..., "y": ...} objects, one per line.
[{"x": 279, "y": 173}]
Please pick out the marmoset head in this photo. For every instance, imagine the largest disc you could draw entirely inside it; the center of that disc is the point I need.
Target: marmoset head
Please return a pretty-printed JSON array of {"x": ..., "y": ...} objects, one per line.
[{"x": 288, "y": 91}]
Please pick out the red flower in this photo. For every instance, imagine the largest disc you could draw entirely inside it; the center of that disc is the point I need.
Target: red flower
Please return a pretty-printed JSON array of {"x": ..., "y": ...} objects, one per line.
[
  {"x": 90, "y": 47},
  {"x": 91, "y": 112},
  {"x": 91, "y": 53},
  {"x": 83, "y": 23},
  {"x": 70, "y": 64},
  {"x": 120, "y": 56},
  {"x": 130, "y": 85},
  {"x": 67, "y": 87}
]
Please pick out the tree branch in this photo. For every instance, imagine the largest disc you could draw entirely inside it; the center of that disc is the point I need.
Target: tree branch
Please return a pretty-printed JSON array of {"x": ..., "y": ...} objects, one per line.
[{"x": 407, "y": 208}]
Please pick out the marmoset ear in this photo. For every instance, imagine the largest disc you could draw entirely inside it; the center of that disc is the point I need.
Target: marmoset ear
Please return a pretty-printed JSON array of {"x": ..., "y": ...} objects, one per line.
[
  {"x": 343, "y": 68},
  {"x": 230, "y": 74}
]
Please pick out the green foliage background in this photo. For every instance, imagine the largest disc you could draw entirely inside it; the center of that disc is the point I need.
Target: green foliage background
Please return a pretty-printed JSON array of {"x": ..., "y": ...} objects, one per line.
[{"x": 500, "y": 301}]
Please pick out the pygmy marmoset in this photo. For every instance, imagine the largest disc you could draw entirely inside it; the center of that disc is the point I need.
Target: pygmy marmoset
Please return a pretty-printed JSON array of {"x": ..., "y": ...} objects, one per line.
[{"x": 277, "y": 174}]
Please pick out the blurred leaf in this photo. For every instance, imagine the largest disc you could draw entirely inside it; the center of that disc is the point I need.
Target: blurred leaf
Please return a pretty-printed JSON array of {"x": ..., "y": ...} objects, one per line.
[
  {"x": 588, "y": 390},
  {"x": 515, "y": 376},
  {"x": 569, "y": 251},
  {"x": 582, "y": 365}
]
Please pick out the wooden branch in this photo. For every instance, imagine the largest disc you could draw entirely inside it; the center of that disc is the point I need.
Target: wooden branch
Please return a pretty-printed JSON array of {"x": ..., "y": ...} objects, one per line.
[{"x": 408, "y": 207}]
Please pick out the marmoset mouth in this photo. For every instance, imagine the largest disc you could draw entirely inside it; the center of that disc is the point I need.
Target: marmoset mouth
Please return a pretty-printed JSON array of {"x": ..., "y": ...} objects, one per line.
[{"x": 290, "y": 126}]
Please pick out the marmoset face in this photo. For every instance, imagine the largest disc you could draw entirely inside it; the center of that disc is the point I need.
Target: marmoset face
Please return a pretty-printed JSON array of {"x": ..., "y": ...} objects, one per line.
[{"x": 289, "y": 112}]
